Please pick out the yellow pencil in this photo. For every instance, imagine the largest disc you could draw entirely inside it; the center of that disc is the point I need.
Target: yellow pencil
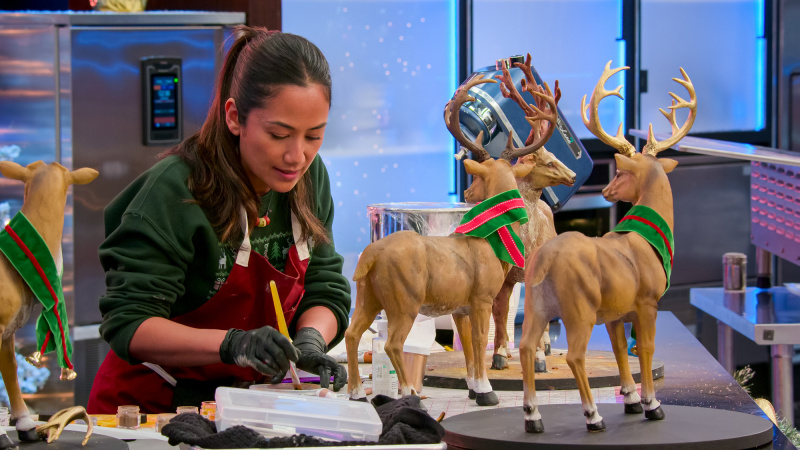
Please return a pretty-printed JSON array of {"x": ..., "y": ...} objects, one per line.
[{"x": 284, "y": 331}]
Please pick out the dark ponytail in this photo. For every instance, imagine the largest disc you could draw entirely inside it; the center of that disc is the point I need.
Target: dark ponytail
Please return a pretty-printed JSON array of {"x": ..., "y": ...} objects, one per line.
[{"x": 258, "y": 62}]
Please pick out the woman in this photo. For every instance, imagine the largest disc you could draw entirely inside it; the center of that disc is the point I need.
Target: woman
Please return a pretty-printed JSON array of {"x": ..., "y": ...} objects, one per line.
[{"x": 193, "y": 243}]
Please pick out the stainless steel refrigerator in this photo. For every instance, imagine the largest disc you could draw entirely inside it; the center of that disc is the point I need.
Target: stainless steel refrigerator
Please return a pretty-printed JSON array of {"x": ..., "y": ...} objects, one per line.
[{"x": 108, "y": 91}]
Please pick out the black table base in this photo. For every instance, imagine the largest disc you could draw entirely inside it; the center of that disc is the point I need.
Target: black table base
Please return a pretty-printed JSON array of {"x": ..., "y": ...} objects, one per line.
[{"x": 565, "y": 428}]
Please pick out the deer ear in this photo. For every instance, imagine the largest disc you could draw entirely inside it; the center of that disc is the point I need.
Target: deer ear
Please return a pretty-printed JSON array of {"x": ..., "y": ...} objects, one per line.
[
  {"x": 474, "y": 168},
  {"x": 83, "y": 176},
  {"x": 522, "y": 170},
  {"x": 14, "y": 171},
  {"x": 624, "y": 162},
  {"x": 667, "y": 164}
]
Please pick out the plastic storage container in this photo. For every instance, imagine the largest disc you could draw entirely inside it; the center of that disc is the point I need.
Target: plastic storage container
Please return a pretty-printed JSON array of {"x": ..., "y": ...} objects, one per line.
[{"x": 280, "y": 414}]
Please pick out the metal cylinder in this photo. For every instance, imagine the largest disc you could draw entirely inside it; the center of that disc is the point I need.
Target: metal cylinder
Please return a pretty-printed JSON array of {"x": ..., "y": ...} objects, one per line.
[{"x": 734, "y": 277}]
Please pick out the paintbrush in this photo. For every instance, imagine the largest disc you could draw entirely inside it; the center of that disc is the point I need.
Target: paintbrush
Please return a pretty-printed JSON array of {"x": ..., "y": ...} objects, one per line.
[{"x": 284, "y": 331}]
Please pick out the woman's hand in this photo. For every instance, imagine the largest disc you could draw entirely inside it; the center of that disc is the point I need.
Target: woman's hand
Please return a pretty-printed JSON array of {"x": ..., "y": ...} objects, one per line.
[
  {"x": 265, "y": 350},
  {"x": 313, "y": 358}
]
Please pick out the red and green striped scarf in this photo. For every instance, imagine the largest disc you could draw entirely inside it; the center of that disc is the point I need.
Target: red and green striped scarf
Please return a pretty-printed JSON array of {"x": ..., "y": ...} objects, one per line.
[
  {"x": 28, "y": 253},
  {"x": 492, "y": 218},
  {"x": 647, "y": 223}
]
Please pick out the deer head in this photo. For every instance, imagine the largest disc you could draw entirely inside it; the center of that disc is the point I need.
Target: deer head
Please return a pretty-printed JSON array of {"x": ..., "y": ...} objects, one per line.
[
  {"x": 548, "y": 171},
  {"x": 638, "y": 174},
  {"x": 45, "y": 183}
]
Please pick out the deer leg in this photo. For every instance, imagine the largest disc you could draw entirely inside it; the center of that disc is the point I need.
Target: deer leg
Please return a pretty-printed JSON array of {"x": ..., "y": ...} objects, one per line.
[
  {"x": 545, "y": 341},
  {"x": 464, "y": 328},
  {"x": 399, "y": 327},
  {"x": 500, "y": 316},
  {"x": 479, "y": 317},
  {"x": 645, "y": 324},
  {"x": 26, "y": 429},
  {"x": 363, "y": 316},
  {"x": 5, "y": 441},
  {"x": 577, "y": 340},
  {"x": 532, "y": 328},
  {"x": 616, "y": 332}
]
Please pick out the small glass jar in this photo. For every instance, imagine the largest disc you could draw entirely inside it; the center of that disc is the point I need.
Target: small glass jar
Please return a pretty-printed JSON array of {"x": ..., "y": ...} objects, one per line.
[
  {"x": 5, "y": 417},
  {"x": 209, "y": 410},
  {"x": 128, "y": 417},
  {"x": 187, "y": 409},
  {"x": 163, "y": 419}
]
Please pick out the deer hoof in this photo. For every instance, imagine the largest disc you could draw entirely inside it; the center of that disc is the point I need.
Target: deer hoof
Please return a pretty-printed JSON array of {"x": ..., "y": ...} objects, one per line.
[
  {"x": 28, "y": 435},
  {"x": 362, "y": 399},
  {"x": 487, "y": 399},
  {"x": 499, "y": 362},
  {"x": 534, "y": 426},
  {"x": 654, "y": 414},
  {"x": 540, "y": 366},
  {"x": 594, "y": 427},
  {"x": 547, "y": 350},
  {"x": 634, "y": 408},
  {"x": 471, "y": 394}
]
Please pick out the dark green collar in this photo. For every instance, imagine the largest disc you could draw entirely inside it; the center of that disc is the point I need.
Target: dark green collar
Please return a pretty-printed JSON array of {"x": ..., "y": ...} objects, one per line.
[{"x": 654, "y": 229}]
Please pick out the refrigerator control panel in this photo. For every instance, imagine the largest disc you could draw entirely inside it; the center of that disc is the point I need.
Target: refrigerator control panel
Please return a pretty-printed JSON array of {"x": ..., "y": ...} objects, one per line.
[{"x": 161, "y": 101}]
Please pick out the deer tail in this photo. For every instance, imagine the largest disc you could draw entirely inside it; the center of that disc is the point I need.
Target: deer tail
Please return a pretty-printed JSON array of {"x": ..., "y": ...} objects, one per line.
[{"x": 365, "y": 263}]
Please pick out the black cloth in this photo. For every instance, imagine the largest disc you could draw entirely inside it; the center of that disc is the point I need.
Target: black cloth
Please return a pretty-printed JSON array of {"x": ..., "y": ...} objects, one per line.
[{"x": 404, "y": 422}]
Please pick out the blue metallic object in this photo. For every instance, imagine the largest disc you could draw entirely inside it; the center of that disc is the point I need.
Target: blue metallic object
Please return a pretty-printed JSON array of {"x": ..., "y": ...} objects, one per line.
[{"x": 496, "y": 116}]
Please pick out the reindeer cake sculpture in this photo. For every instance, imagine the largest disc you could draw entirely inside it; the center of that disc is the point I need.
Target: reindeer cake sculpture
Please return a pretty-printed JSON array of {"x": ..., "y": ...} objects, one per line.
[
  {"x": 30, "y": 267},
  {"x": 612, "y": 279},
  {"x": 547, "y": 171},
  {"x": 406, "y": 274}
]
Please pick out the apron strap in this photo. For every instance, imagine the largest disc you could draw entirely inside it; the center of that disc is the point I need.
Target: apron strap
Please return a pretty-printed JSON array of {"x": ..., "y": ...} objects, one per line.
[
  {"x": 243, "y": 256},
  {"x": 302, "y": 246}
]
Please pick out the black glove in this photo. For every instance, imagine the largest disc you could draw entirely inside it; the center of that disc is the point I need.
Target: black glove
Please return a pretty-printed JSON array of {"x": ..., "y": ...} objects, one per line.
[
  {"x": 313, "y": 358},
  {"x": 264, "y": 349}
]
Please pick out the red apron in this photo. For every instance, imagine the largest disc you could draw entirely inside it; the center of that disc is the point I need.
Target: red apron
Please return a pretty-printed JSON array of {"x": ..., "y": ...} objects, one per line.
[{"x": 247, "y": 287}]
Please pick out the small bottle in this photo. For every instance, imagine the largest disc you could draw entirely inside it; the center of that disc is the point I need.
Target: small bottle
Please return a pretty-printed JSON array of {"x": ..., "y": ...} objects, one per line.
[
  {"x": 128, "y": 417},
  {"x": 187, "y": 409},
  {"x": 384, "y": 377},
  {"x": 209, "y": 410},
  {"x": 161, "y": 420}
]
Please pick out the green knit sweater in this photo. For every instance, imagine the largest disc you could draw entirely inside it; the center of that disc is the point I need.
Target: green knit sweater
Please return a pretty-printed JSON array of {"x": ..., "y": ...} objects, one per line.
[{"x": 162, "y": 257}]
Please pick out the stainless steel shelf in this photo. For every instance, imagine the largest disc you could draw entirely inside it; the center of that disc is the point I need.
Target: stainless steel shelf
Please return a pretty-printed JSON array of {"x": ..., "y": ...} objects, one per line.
[{"x": 727, "y": 149}]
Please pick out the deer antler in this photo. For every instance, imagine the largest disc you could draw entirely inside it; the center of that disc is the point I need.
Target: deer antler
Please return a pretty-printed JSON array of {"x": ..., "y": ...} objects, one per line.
[
  {"x": 53, "y": 428},
  {"x": 532, "y": 112},
  {"x": 545, "y": 97},
  {"x": 451, "y": 118},
  {"x": 652, "y": 147},
  {"x": 593, "y": 122}
]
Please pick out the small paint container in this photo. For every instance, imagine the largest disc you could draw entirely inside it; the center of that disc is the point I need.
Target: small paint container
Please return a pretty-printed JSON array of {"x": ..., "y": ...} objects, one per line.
[
  {"x": 161, "y": 420},
  {"x": 128, "y": 417},
  {"x": 187, "y": 409},
  {"x": 209, "y": 410},
  {"x": 734, "y": 276}
]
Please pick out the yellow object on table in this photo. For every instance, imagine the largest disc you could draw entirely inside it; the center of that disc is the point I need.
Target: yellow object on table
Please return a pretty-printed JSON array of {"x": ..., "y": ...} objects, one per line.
[{"x": 284, "y": 331}]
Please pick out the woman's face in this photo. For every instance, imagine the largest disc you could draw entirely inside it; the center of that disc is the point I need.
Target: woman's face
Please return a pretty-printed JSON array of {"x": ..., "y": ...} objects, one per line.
[{"x": 279, "y": 140}]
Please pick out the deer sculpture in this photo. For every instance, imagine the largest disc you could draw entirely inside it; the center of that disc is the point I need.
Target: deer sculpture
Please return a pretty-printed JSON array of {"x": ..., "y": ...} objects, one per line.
[
  {"x": 406, "y": 274},
  {"x": 612, "y": 279},
  {"x": 43, "y": 206},
  {"x": 547, "y": 171}
]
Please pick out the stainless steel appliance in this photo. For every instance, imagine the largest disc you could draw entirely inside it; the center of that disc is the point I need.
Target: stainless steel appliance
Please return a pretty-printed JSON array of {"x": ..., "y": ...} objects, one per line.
[{"x": 103, "y": 90}]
